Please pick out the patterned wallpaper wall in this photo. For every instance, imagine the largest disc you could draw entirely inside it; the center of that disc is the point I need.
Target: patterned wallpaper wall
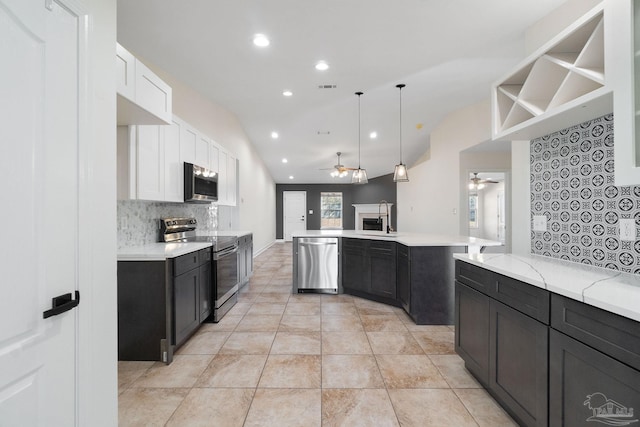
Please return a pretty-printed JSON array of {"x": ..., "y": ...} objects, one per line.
[
  {"x": 138, "y": 219},
  {"x": 572, "y": 184}
]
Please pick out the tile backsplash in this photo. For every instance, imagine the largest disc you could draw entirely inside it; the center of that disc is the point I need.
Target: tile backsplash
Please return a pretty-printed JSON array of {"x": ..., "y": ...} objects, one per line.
[
  {"x": 572, "y": 184},
  {"x": 138, "y": 219}
]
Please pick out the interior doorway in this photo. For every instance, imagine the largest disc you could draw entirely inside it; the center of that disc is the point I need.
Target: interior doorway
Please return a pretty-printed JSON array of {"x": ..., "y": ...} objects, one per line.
[
  {"x": 294, "y": 209},
  {"x": 487, "y": 212}
]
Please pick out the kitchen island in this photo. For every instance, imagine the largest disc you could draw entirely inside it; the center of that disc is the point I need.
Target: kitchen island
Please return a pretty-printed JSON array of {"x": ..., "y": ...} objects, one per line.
[{"x": 414, "y": 271}]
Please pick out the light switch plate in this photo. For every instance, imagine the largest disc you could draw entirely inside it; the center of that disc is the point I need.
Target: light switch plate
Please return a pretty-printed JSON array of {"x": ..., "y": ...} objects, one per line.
[
  {"x": 539, "y": 223},
  {"x": 627, "y": 229},
  {"x": 310, "y": 211}
]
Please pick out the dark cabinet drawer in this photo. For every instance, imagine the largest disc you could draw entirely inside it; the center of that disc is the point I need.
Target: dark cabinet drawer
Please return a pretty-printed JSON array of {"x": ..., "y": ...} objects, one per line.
[
  {"x": 186, "y": 262},
  {"x": 587, "y": 387},
  {"x": 475, "y": 277},
  {"x": 614, "y": 335},
  {"x": 524, "y": 297},
  {"x": 357, "y": 244}
]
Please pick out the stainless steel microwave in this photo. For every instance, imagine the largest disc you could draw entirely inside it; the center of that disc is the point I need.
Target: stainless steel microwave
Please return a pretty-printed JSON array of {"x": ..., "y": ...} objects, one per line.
[{"x": 200, "y": 184}]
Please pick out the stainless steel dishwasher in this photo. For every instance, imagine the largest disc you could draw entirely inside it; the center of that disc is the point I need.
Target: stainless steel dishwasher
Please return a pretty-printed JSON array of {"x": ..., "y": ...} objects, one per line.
[{"x": 317, "y": 264}]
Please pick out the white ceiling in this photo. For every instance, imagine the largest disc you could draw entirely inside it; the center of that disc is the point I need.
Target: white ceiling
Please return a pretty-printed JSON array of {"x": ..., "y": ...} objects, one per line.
[{"x": 447, "y": 52}]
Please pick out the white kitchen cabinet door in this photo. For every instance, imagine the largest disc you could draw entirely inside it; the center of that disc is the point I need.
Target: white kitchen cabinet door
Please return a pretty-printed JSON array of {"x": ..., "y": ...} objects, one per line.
[
  {"x": 150, "y": 162},
  {"x": 222, "y": 179},
  {"x": 143, "y": 98},
  {"x": 214, "y": 156},
  {"x": 126, "y": 72},
  {"x": 202, "y": 151},
  {"x": 232, "y": 186},
  {"x": 188, "y": 140},
  {"x": 173, "y": 166}
]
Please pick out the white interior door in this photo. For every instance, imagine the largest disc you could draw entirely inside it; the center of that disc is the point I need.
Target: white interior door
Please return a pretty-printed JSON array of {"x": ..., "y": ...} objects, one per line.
[
  {"x": 294, "y": 208},
  {"x": 39, "y": 183}
]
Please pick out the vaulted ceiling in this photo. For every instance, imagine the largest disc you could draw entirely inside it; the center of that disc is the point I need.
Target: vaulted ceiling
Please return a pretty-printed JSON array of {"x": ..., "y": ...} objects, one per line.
[{"x": 447, "y": 52}]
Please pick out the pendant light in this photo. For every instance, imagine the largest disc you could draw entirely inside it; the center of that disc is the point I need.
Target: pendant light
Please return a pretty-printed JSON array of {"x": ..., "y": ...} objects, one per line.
[
  {"x": 400, "y": 171},
  {"x": 359, "y": 175}
]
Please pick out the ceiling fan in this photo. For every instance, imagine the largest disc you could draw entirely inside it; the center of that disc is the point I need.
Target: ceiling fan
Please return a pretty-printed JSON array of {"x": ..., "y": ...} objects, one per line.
[
  {"x": 477, "y": 183},
  {"x": 339, "y": 170}
]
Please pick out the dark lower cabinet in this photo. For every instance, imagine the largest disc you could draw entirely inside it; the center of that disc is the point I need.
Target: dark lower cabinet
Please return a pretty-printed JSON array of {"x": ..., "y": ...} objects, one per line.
[
  {"x": 382, "y": 268},
  {"x": 354, "y": 266},
  {"x": 588, "y": 387},
  {"x": 186, "y": 291},
  {"x": 518, "y": 364},
  {"x": 472, "y": 331},
  {"x": 581, "y": 367},
  {"x": 161, "y": 304}
]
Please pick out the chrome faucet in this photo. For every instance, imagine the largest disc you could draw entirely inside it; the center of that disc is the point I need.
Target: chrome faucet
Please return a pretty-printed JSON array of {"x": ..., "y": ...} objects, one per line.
[{"x": 387, "y": 213}]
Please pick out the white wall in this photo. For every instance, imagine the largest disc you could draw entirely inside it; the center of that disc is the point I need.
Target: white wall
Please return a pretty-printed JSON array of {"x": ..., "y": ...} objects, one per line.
[
  {"x": 430, "y": 201},
  {"x": 256, "y": 190},
  {"x": 98, "y": 340}
]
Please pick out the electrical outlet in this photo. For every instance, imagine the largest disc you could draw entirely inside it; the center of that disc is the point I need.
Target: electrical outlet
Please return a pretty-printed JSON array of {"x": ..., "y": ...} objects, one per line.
[
  {"x": 539, "y": 223},
  {"x": 627, "y": 229}
]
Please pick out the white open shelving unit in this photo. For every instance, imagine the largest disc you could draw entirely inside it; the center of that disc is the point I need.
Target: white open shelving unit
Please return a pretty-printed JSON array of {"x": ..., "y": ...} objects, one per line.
[{"x": 561, "y": 84}]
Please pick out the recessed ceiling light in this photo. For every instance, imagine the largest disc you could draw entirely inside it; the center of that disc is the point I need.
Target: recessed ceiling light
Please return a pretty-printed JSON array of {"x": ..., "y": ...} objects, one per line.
[
  {"x": 284, "y": 160},
  {"x": 287, "y": 93},
  {"x": 274, "y": 135},
  {"x": 322, "y": 66},
  {"x": 260, "y": 40},
  {"x": 290, "y": 176},
  {"x": 373, "y": 135}
]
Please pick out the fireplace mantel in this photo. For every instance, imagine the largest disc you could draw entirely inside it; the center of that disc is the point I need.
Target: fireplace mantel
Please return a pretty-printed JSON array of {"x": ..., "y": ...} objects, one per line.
[{"x": 370, "y": 210}]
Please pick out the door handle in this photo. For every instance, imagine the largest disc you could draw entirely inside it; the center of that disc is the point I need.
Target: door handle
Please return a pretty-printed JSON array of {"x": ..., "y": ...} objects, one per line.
[{"x": 62, "y": 303}]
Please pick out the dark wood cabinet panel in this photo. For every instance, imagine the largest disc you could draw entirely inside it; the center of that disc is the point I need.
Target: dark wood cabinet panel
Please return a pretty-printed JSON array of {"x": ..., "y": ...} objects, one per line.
[
  {"x": 472, "y": 331},
  {"x": 186, "y": 305},
  {"x": 382, "y": 268},
  {"x": 355, "y": 274},
  {"x": 403, "y": 277},
  {"x": 588, "y": 387},
  {"x": 142, "y": 310},
  {"x": 475, "y": 277},
  {"x": 518, "y": 364},
  {"x": 204, "y": 282}
]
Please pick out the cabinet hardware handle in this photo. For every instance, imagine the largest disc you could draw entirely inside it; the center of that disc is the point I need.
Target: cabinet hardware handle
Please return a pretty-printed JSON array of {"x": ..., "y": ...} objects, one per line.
[{"x": 62, "y": 303}]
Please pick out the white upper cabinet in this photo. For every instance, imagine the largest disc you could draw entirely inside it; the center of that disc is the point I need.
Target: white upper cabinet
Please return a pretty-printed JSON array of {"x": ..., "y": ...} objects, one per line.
[
  {"x": 214, "y": 155},
  {"x": 561, "y": 84},
  {"x": 143, "y": 98},
  {"x": 232, "y": 182},
  {"x": 202, "y": 151},
  {"x": 173, "y": 166},
  {"x": 623, "y": 18},
  {"x": 223, "y": 198},
  {"x": 188, "y": 141}
]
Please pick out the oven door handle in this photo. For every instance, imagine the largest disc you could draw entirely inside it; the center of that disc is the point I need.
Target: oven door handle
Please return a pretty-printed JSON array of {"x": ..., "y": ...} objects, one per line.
[{"x": 225, "y": 252}]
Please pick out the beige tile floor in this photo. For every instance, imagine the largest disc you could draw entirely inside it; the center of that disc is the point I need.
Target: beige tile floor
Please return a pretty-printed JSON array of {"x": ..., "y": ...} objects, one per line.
[{"x": 278, "y": 359}]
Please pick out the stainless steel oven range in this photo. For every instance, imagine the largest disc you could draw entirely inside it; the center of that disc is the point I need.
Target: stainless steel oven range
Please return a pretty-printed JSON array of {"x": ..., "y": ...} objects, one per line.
[{"x": 224, "y": 276}]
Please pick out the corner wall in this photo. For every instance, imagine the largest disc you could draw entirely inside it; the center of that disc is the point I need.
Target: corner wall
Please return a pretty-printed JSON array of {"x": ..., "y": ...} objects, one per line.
[{"x": 430, "y": 201}]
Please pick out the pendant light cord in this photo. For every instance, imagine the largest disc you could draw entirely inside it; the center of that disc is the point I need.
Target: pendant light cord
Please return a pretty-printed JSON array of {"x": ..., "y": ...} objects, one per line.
[
  {"x": 359, "y": 120},
  {"x": 400, "y": 86}
]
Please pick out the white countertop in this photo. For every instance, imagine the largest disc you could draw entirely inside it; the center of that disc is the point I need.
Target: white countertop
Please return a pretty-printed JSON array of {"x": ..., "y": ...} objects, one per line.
[
  {"x": 162, "y": 251},
  {"x": 159, "y": 251},
  {"x": 405, "y": 238},
  {"x": 610, "y": 290}
]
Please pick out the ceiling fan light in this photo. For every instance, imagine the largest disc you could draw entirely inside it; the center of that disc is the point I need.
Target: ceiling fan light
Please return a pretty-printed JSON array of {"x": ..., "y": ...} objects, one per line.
[
  {"x": 334, "y": 174},
  {"x": 472, "y": 186},
  {"x": 359, "y": 176},
  {"x": 400, "y": 173}
]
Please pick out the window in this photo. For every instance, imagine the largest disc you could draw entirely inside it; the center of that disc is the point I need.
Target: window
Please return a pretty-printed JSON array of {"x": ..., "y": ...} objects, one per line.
[{"x": 330, "y": 210}]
